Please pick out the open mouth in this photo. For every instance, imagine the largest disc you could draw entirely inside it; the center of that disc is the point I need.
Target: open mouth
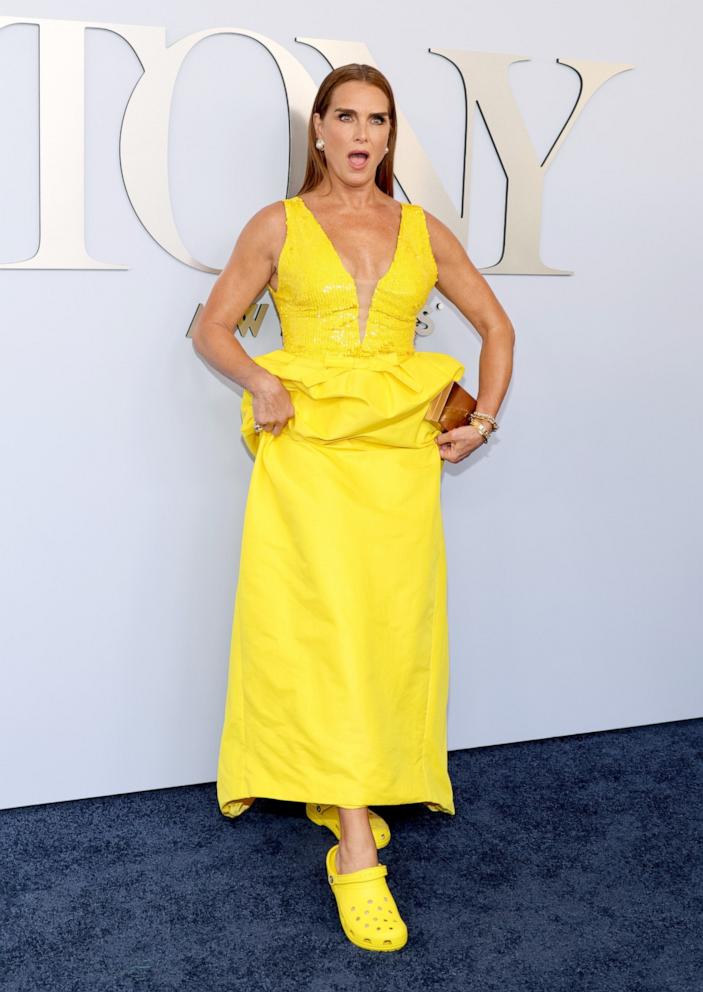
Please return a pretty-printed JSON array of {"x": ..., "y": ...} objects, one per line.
[{"x": 358, "y": 158}]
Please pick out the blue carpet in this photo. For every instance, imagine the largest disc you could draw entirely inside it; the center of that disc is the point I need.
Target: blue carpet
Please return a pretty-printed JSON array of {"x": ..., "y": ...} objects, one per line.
[{"x": 573, "y": 863}]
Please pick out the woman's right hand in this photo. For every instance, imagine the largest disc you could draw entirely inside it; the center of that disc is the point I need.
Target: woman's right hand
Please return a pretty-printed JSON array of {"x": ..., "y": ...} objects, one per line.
[{"x": 271, "y": 404}]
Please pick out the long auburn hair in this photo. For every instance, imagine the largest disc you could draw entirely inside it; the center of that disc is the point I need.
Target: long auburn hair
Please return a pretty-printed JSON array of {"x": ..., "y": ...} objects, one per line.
[{"x": 316, "y": 166}]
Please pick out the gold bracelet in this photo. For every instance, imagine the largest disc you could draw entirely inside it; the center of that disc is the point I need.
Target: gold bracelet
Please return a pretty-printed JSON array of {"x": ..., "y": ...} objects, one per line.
[
  {"x": 486, "y": 416},
  {"x": 485, "y": 434},
  {"x": 482, "y": 431}
]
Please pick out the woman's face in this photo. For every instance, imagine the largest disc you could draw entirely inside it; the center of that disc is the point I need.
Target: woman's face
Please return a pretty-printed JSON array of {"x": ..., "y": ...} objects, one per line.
[{"x": 356, "y": 121}]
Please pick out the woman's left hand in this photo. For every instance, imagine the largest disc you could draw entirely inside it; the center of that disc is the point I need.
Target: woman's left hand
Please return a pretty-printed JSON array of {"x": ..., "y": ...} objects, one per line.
[{"x": 457, "y": 444}]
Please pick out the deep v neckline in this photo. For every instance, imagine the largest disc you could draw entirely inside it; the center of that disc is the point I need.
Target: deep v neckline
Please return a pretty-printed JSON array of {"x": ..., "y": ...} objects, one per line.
[{"x": 348, "y": 274}]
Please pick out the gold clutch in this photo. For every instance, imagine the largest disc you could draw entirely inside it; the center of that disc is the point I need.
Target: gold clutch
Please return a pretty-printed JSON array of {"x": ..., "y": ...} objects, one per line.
[{"x": 451, "y": 408}]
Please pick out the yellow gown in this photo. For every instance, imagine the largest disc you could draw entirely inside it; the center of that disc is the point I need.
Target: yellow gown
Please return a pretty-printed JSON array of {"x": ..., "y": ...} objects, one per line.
[{"x": 339, "y": 661}]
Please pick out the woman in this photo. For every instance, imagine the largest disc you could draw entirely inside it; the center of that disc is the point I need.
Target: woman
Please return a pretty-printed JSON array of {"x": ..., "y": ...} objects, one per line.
[{"x": 339, "y": 659}]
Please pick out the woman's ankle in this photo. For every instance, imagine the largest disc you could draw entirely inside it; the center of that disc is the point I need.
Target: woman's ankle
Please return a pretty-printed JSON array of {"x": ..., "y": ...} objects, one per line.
[
  {"x": 351, "y": 859},
  {"x": 355, "y": 829}
]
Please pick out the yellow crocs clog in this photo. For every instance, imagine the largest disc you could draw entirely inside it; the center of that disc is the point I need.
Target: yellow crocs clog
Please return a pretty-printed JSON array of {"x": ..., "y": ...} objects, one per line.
[
  {"x": 328, "y": 816},
  {"x": 367, "y": 909}
]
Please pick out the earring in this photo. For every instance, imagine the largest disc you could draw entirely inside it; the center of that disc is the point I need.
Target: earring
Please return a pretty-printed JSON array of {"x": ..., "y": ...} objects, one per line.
[{"x": 320, "y": 143}]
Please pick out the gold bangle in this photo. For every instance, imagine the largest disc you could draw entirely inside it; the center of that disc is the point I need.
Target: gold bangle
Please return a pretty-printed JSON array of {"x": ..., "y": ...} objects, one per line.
[
  {"x": 486, "y": 416},
  {"x": 482, "y": 431}
]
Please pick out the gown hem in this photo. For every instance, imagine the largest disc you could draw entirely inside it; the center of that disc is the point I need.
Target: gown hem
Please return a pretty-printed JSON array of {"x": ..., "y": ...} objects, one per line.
[{"x": 233, "y": 808}]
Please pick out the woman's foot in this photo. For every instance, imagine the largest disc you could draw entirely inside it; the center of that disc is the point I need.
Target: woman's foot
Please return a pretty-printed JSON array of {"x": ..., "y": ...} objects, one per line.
[{"x": 357, "y": 845}]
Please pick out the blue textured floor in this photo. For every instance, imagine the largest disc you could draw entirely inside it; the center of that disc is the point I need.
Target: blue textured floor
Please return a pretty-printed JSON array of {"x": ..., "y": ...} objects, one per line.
[{"x": 572, "y": 863}]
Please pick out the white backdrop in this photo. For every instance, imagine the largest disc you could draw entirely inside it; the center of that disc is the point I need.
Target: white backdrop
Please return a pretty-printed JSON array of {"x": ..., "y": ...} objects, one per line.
[{"x": 574, "y": 537}]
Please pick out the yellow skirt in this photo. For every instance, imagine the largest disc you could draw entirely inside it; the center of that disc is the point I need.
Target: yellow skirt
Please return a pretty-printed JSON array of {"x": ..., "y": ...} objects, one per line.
[{"x": 339, "y": 662}]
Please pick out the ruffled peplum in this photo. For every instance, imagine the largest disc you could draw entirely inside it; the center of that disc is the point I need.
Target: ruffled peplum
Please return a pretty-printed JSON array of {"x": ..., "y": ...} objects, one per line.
[{"x": 354, "y": 401}]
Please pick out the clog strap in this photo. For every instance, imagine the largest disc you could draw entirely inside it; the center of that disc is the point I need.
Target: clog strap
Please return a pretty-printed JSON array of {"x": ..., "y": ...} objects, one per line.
[{"x": 362, "y": 875}]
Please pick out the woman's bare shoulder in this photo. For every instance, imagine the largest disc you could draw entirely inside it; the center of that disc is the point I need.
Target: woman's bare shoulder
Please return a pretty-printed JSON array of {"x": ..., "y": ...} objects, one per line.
[
  {"x": 265, "y": 230},
  {"x": 442, "y": 239},
  {"x": 268, "y": 222},
  {"x": 437, "y": 228}
]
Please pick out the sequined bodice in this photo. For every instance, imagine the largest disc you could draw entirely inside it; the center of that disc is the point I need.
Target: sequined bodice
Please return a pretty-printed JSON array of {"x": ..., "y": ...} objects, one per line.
[{"x": 317, "y": 298}]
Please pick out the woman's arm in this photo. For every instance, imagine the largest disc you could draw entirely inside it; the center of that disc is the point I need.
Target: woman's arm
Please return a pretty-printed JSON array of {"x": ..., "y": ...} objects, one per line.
[
  {"x": 242, "y": 280},
  {"x": 464, "y": 286}
]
